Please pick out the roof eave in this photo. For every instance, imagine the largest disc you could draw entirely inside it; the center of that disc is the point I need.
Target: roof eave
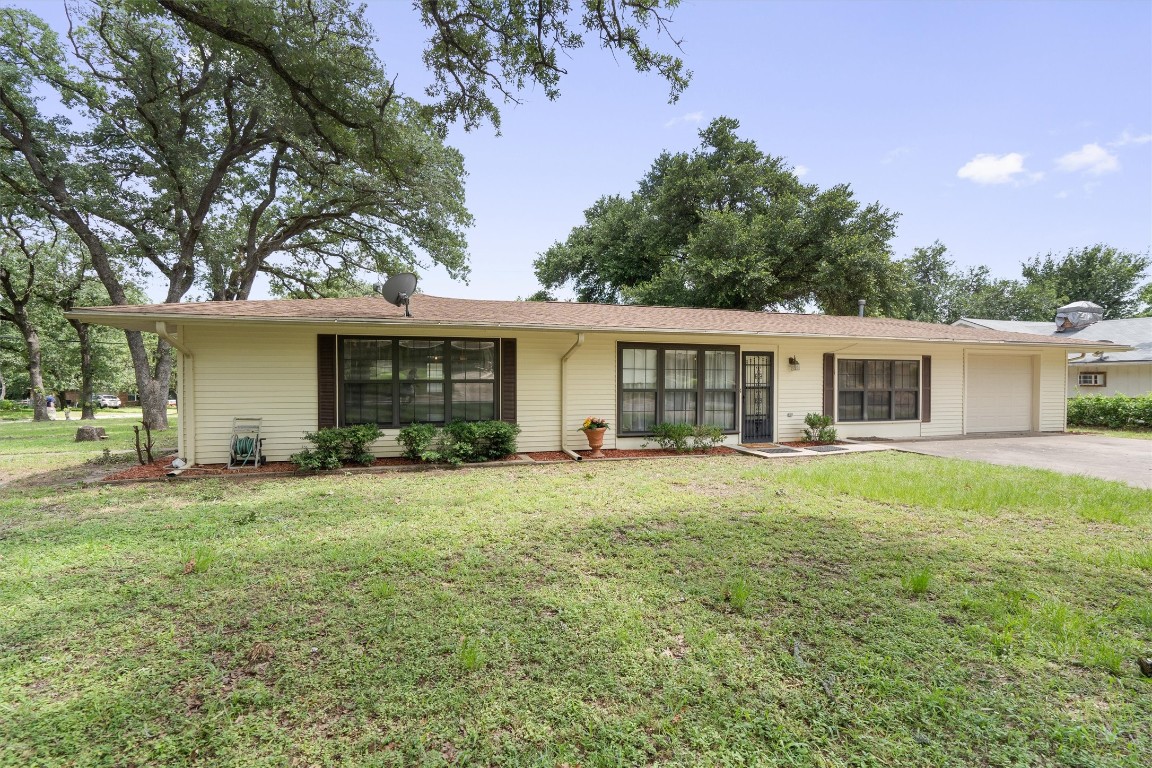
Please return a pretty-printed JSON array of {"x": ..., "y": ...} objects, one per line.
[{"x": 147, "y": 322}]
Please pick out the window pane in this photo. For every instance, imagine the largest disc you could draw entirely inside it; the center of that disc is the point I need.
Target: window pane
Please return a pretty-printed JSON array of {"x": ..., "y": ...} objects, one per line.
[
  {"x": 720, "y": 409},
  {"x": 367, "y": 359},
  {"x": 879, "y": 406},
  {"x": 639, "y": 369},
  {"x": 421, "y": 401},
  {"x": 680, "y": 406},
  {"x": 851, "y": 374},
  {"x": 637, "y": 411},
  {"x": 473, "y": 401},
  {"x": 719, "y": 370},
  {"x": 473, "y": 359},
  {"x": 367, "y": 403},
  {"x": 907, "y": 374},
  {"x": 906, "y": 401},
  {"x": 878, "y": 374},
  {"x": 679, "y": 369},
  {"x": 421, "y": 359},
  {"x": 851, "y": 406}
]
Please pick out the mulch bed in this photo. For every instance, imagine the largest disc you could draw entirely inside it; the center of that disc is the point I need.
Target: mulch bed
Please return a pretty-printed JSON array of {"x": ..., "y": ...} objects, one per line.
[
  {"x": 160, "y": 468},
  {"x": 620, "y": 453}
]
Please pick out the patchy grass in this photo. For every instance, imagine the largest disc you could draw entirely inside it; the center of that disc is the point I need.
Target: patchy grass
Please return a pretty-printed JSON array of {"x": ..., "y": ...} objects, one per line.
[
  {"x": 48, "y": 449},
  {"x": 581, "y": 614},
  {"x": 1132, "y": 434}
]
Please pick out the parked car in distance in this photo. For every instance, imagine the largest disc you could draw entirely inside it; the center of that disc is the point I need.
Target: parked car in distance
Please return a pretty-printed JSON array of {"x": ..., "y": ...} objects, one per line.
[{"x": 106, "y": 401}]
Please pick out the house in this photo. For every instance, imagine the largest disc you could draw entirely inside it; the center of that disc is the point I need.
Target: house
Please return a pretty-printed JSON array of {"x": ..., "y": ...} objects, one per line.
[
  {"x": 1099, "y": 370},
  {"x": 304, "y": 364}
]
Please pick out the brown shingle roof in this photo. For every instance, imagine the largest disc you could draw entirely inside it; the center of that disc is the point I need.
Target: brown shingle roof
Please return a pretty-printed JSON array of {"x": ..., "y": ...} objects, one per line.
[{"x": 436, "y": 310}]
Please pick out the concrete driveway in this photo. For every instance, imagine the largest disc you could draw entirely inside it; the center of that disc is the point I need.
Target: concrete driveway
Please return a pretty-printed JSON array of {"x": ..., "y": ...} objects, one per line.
[{"x": 1110, "y": 458}]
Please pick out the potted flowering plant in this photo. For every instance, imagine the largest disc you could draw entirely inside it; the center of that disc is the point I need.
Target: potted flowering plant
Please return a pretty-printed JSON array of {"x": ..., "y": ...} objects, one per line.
[{"x": 594, "y": 428}]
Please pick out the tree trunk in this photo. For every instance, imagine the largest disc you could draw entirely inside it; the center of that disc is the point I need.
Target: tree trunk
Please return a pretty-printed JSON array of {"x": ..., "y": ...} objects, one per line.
[
  {"x": 152, "y": 382},
  {"x": 3, "y": 387},
  {"x": 35, "y": 369},
  {"x": 89, "y": 412}
]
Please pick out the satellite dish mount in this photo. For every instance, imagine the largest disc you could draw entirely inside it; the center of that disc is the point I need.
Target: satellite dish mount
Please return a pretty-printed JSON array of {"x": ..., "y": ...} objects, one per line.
[{"x": 398, "y": 290}]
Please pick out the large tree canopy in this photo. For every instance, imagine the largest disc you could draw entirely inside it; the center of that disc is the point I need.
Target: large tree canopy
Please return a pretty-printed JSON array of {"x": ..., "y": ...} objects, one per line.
[
  {"x": 728, "y": 226},
  {"x": 209, "y": 141},
  {"x": 939, "y": 292}
]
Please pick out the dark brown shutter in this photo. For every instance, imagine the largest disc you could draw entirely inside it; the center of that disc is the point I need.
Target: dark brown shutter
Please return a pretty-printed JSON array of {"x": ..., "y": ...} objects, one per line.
[
  {"x": 508, "y": 380},
  {"x": 325, "y": 381},
  {"x": 830, "y": 384},
  {"x": 926, "y": 389}
]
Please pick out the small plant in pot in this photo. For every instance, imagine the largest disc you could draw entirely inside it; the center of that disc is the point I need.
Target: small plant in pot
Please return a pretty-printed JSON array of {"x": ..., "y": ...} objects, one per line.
[{"x": 594, "y": 428}]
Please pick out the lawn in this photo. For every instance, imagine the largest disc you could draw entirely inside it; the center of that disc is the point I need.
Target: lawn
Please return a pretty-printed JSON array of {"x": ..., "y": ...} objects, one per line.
[
  {"x": 874, "y": 610},
  {"x": 47, "y": 451},
  {"x": 1131, "y": 434}
]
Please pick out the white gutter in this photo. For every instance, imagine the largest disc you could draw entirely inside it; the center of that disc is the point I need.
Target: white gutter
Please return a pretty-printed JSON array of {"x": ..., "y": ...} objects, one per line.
[
  {"x": 564, "y": 400},
  {"x": 163, "y": 332}
]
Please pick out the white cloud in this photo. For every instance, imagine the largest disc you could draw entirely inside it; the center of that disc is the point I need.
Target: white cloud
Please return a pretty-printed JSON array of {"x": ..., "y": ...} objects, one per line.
[
  {"x": 1090, "y": 158},
  {"x": 691, "y": 117},
  {"x": 800, "y": 170},
  {"x": 1062, "y": 194},
  {"x": 893, "y": 155},
  {"x": 997, "y": 169},
  {"x": 1130, "y": 138}
]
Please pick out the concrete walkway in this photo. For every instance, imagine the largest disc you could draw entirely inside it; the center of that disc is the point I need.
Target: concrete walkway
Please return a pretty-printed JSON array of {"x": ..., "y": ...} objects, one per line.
[{"x": 1110, "y": 458}]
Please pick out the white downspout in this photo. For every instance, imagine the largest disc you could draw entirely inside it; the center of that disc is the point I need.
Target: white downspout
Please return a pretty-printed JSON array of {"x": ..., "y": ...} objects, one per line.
[{"x": 564, "y": 400}]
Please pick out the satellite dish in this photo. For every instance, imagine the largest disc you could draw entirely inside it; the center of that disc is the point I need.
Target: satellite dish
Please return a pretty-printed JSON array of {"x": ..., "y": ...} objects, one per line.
[{"x": 398, "y": 290}]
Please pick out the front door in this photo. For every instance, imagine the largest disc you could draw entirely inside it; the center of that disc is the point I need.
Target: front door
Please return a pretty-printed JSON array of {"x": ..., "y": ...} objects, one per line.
[{"x": 757, "y": 398}]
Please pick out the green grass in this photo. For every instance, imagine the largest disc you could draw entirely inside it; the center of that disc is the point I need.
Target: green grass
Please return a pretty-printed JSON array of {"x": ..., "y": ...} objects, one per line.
[
  {"x": 1132, "y": 434},
  {"x": 729, "y": 611},
  {"x": 48, "y": 451}
]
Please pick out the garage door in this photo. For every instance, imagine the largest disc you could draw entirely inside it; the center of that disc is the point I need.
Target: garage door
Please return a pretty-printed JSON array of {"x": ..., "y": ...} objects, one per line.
[{"x": 999, "y": 395}]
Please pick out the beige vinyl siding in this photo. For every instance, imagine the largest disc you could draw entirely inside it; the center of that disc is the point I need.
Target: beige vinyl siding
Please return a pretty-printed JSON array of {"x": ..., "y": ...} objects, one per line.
[
  {"x": 269, "y": 370},
  {"x": 1132, "y": 379},
  {"x": 1052, "y": 390}
]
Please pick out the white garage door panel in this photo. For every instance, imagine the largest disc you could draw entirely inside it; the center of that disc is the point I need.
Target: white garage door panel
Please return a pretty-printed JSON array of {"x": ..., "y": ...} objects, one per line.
[{"x": 999, "y": 394}]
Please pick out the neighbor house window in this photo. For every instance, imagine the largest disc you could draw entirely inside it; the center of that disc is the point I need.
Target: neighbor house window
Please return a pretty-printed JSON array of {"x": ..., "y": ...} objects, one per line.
[
  {"x": 1091, "y": 379},
  {"x": 392, "y": 382},
  {"x": 676, "y": 383},
  {"x": 878, "y": 390}
]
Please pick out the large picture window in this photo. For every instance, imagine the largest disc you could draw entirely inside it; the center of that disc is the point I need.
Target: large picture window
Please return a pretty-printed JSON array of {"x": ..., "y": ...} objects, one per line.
[
  {"x": 394, "y": 382},
  {"x": 676, "y": 383},
  {"x": 878, "y": 390}
]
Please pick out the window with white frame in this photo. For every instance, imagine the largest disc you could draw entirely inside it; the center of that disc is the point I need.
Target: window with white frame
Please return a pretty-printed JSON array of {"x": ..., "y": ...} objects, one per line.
[
  {"x": 1091, "y": 379},
  {"x": 676, "y": 383}
]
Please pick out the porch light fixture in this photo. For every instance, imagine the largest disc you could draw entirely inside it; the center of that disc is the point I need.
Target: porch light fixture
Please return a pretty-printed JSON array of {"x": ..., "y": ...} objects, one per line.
[{"x": 793, "y": 363}]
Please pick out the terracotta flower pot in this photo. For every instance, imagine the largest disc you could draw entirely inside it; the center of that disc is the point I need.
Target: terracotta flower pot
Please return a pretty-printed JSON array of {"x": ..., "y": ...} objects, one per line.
[{"x": 595, "y": 441}]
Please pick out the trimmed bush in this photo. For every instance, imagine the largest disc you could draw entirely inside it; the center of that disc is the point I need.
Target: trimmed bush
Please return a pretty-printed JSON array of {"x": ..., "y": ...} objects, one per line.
[
  {"x": 672, "y": 437},
  {"x": 819, "y": 429},
  {"x": 1114, "y": 411},
  {"x": 416, "y": 440},
  {"x": 336, "y": 445},
  {"x": 706, "y": 437},
  {"x": 459, "y": 442}
]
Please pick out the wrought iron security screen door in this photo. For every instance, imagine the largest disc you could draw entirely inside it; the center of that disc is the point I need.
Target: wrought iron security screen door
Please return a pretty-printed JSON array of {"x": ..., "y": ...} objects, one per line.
[{"x": 757, "y": 397}]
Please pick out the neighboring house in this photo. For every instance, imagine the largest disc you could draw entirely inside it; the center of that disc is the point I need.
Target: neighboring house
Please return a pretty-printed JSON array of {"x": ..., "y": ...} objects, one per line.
[
  {"x": 304, "y": 364},
  {"x": 1099, "y": 370}
]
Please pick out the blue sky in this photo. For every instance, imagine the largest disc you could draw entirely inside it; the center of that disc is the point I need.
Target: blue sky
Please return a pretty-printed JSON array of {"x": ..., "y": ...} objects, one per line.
[{"x": 1003, "y": 129}]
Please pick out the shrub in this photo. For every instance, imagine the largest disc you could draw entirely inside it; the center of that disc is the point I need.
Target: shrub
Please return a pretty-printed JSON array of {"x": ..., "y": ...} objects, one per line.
[
  {"x": 672, "y": 437},
  {"x": 416, "y": 439},
  {"x": 1115, "y": 411},
  {"x": 819, "y": 429},
  {"x": 460, "y": 441},
  {"x": 336, "y": 445},
  {"x": 706, "y": 437}
]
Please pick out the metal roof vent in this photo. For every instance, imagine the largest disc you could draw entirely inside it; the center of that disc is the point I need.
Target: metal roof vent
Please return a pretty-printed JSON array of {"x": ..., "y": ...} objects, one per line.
[{"x": 1078, "y": 314}]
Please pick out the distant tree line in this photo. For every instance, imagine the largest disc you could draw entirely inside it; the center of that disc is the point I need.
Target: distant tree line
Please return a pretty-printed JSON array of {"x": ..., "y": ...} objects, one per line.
[{"x": 728, "y": 226}]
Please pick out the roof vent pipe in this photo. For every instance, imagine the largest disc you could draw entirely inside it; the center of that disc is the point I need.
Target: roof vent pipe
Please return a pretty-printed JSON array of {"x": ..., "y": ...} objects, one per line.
[{"x": 862, "y": 302}]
